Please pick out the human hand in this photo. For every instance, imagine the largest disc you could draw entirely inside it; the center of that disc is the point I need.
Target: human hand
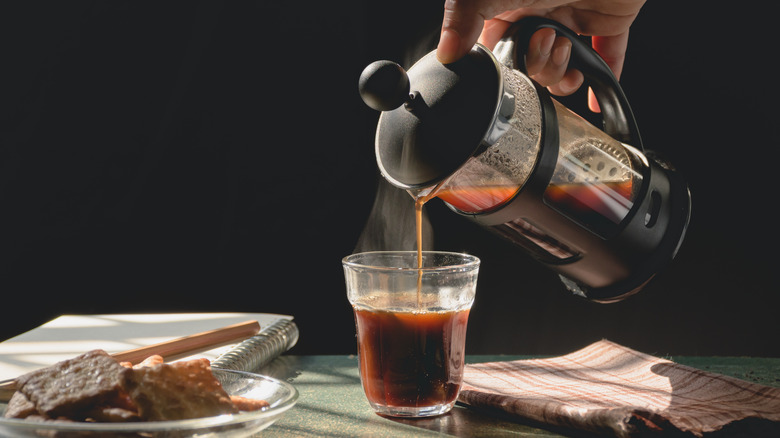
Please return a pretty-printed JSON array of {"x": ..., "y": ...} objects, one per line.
[{"x": 607, "y": 21}]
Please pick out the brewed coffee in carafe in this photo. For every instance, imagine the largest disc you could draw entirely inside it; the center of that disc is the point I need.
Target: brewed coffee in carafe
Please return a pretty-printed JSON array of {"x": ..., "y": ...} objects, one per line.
[
  {"x": 494, "y": 146},
  {"x": 595, "y": 180}
]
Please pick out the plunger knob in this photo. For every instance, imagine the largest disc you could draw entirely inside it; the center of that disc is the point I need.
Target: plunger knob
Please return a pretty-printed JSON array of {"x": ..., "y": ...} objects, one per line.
[{"x": 384, "y": 85}]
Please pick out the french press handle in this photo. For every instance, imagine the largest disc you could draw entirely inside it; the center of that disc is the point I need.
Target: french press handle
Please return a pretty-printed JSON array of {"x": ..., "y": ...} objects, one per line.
[{"x": 619, "y": 121}]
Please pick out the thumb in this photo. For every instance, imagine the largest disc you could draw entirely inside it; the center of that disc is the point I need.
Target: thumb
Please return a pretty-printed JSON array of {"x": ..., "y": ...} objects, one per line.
[{"x": 461, "y": 27}]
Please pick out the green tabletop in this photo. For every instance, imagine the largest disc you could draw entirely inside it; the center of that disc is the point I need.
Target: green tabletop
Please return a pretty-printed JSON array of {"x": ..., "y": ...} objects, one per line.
[{"x": 332, "y": 404}]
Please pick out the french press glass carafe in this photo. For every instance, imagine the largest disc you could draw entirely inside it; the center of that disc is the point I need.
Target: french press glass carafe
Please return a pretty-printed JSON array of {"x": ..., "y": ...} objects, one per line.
[{"x": 494, "y": 146}]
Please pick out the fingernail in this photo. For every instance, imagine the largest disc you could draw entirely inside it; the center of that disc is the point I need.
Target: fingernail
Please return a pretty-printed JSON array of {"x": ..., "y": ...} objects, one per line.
[
  {"x": 449, "y": 43},
  {"x": 560, "y": 56}
]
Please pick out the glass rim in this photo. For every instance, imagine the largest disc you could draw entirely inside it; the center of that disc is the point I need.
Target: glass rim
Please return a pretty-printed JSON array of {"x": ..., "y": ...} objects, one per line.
[{"x": 466, "y": 261}]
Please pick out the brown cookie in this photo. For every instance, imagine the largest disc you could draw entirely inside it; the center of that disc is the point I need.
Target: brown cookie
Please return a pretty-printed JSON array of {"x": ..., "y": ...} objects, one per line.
[
  {"x": 177, "y": 391},
  {"x": 68, "y": 387},
  {"x": 19, "y": 407}
]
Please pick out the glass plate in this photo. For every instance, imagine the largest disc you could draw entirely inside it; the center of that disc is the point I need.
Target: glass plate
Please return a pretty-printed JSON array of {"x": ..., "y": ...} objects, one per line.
[{"x": 280, "y": 395}]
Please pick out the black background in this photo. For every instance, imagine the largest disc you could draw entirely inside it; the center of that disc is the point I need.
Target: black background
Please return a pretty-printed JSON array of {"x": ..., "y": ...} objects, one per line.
[{"x": 215, "y": 156}]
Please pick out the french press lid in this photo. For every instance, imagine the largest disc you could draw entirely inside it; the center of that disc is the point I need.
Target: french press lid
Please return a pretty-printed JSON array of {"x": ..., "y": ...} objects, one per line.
[{"x": 434, "y": 116}]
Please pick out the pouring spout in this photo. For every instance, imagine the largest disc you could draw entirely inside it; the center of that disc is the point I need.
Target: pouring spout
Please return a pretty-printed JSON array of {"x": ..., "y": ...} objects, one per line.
[
  {"x": 420, "y": 193},
  {"x": 425, "y": 194}
]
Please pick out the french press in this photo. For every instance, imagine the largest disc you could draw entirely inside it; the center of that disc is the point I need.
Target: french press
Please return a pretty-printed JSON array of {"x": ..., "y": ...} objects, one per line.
[{"x": 494, "y": 146}]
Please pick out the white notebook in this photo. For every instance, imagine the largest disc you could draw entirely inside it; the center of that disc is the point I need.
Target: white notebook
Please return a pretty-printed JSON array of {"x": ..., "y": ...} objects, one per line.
[{"x": 70, "y": 335}]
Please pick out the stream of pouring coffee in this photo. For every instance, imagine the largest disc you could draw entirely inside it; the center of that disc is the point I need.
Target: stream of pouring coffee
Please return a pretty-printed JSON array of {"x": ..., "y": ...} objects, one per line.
[{"x": 419, "y": 202}]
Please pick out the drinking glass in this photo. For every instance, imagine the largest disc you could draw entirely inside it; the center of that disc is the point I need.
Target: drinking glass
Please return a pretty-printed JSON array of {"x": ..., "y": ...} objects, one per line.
[{"x": 411, "y": 327}]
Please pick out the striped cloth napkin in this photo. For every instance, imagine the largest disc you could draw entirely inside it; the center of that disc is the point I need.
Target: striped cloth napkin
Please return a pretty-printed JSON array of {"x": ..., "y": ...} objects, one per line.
[{"x": 609, "y": 389}]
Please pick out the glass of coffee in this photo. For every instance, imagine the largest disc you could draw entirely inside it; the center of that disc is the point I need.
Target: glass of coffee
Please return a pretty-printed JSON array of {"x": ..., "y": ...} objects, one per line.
[{"x": 411, "y": 312}]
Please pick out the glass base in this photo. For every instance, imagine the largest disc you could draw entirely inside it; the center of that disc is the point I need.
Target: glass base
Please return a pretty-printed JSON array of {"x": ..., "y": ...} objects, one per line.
[{"x": 412, "y": 411}]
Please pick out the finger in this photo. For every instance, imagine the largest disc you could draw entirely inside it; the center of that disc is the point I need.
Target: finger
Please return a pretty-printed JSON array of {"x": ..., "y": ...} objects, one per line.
[
  {"x": 540, "y": 47},
  {"x": 613, "y": 50},
  {"x": 593, "y": 104},
  {"x": 493, "y": 31},
  {"x": 461, "y": 26},
  {"x": 554, "y": 70},
  {"x": 571, "y": 82}
]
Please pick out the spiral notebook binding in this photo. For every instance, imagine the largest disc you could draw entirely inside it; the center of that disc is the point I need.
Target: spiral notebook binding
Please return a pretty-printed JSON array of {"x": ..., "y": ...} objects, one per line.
[{"x": 260, "y": 349}]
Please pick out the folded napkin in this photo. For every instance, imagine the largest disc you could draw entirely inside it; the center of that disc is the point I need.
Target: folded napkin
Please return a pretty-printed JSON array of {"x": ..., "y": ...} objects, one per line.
[{"x": 609, "y": 389}]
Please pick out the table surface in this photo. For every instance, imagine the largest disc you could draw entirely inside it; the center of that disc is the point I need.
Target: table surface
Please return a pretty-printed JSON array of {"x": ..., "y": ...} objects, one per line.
[{"x": 332, "y": 404}]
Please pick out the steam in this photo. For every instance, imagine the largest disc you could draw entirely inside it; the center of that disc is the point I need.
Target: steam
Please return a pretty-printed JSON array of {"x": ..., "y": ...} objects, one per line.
[{"x": 391, "y": 225}]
